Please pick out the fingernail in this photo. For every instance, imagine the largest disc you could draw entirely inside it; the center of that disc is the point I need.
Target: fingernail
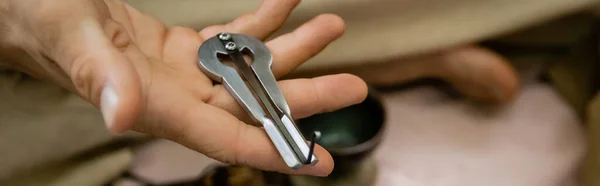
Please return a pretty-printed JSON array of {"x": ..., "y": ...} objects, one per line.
[{"x": 108, "y": 105}]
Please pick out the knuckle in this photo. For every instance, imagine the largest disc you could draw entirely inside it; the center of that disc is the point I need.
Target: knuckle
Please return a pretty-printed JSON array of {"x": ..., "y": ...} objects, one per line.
[
  {"x": 320, "y": 106},
  {"x": 238, "y": 145},
  {"x": 117, "y": 34},
  {"x": 82, "y": 76}
]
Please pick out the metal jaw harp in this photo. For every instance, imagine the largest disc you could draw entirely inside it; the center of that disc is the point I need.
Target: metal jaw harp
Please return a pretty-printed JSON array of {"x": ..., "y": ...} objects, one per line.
[{"x": 255, "y": 88}]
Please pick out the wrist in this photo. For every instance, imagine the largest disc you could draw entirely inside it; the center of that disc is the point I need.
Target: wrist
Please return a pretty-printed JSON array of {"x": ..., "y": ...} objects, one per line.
[
  {"x": 31, "y": 61},
  {"x": 14, "y": 51},
  {"x": 20, "y": 49}
]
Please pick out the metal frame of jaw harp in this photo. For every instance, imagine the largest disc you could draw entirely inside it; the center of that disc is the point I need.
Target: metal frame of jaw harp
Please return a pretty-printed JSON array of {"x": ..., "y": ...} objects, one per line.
[{"x": 255, "y": 88}]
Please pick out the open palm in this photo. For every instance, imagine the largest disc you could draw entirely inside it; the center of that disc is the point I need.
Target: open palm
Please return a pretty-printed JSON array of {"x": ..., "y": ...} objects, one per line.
[{"x": 144, "y": 76}]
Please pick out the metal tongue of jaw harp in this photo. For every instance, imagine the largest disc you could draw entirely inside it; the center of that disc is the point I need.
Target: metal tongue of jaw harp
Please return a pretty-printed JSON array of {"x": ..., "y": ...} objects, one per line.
[{"x": 256, "y": 90}]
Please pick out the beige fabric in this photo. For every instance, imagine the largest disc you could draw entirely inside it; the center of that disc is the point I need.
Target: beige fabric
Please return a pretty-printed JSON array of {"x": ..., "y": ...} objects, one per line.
[
  {"x": 42, "y": 128},
  {"x": 47, "y": 136},
  {"x": 382, "y": 29},
  {"x": 91, "y": 170}
]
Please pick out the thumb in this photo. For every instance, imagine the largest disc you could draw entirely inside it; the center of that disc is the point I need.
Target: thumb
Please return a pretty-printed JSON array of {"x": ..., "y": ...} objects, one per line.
[{"x": 101, "y": 73}]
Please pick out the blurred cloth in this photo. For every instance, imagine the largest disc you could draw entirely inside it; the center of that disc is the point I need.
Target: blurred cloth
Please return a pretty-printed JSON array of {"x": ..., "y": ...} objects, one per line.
[
  {"x": 378, "y": 30},
  {"x": 51, "y": 137}
]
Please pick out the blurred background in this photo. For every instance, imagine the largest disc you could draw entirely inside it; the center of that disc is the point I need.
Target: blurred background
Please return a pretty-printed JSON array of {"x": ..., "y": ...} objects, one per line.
[{"x": 462, "y": 93}]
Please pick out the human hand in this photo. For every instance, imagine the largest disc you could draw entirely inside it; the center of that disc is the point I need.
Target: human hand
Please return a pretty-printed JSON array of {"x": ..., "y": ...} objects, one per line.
[
  {"x": 144, "y": 76},
  {"x": 476, "y": 72}
]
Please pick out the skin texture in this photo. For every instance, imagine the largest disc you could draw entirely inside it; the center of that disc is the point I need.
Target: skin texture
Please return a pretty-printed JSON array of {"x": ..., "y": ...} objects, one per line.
[{"x": 143, "y": 76}]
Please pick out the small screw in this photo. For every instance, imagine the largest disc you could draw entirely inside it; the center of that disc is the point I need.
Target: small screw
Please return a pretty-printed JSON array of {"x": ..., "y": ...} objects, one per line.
[
  {"x": 224, "y": 36},
  {"x": 230, "y": 46}
]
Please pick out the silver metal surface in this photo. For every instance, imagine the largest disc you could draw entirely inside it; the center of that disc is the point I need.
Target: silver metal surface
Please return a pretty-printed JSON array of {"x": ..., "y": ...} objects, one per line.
[{"x": 252, "y": 86}]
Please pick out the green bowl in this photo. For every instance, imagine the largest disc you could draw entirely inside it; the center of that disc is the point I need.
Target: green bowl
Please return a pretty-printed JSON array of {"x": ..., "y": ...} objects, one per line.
[{"x": 349, "y": 134}]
